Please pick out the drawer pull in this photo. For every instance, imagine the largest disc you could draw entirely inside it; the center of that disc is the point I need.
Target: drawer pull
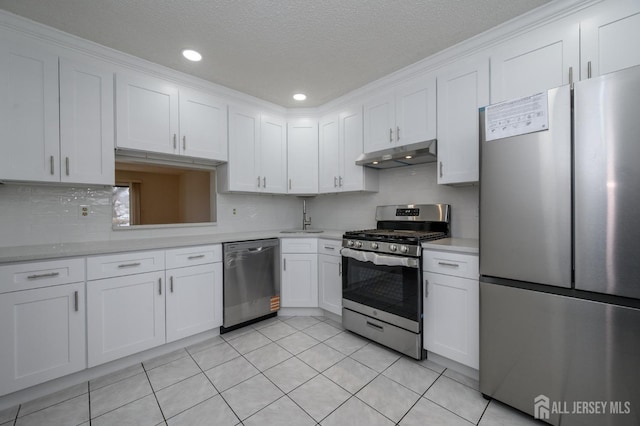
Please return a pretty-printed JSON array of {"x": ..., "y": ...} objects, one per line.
[
  {"x": 199, "y": 256},
  {"x": 454, "y": 265},
  {"x": 329, "y": 248},
  {"x": 376, "y": 326},
  {"x": 129, "y": 265},
  {"x": 47, "y": 275}
]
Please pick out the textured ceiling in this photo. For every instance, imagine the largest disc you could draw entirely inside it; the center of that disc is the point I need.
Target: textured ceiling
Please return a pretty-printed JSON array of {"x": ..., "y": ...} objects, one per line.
[{"x": 272, "y": 49}]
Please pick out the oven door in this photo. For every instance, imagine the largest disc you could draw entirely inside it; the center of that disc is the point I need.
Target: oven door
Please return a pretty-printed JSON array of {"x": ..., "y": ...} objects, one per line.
[{"x": 386, "y": 286}]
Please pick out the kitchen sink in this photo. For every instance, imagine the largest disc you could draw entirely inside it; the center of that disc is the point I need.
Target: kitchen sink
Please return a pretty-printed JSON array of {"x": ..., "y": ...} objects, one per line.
[{"x": 302, "y": 231}]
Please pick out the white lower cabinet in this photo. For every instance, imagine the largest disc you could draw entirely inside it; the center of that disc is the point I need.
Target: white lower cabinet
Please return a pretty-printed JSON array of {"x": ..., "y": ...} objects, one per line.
[
  {"x": 194, "y": 293},
  {"x": 42, "y": 322},
  {"x": 299, "y": 274},
  {"x": 451, "y": 306},
  {"x": 125, "y": 315},
  {"x": 330, "y": 276}
]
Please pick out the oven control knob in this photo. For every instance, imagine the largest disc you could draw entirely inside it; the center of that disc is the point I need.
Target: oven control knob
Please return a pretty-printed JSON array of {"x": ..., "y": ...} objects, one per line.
[
  {"x": 404, "y": 249},
  {"x": 358, "y": 244},
  {"x": 350, "y": 243},
  {"x": 393, "y": 247},
  {"x": 374, "y": 245}
]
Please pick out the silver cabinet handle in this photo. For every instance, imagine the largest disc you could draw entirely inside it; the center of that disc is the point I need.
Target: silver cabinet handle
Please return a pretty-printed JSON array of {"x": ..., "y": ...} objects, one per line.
[
  {"x": 426, "y": 288},
  {"x": 570, "y": 75},
  {"x": 175, "y": 141},
  {"x": 329, "y": 247},
  {"x": 285, "y": 263},
  {"x": 184, "y": 143},
  {"x": 340, "y": 181},
  {"x": 335, "y": 181},
  {"x": 264, "y": 181},
  {"x": 289, "y": 183},
  {"x": 589, "y": 69},
  {"x": 199, "y": 256},
  {"x": 390, "y": 135},
  {"x": 47, "y": 275},
  {"x": 75, "y": 300},
  {"x": 160, "y": 286},
  {"x": 258, "y": 181},
  {"x": 397, "y": 133},
  {"x": 51, "y": 164},
  {"x": 129, "y": 265},
  {"x": 171, "y": 284},
  {"x": 66, "y": 160},
  {"x": 339, "y": 269},
  {"x": 441, "y": 169},
  {"x": 455, "y": 265}
]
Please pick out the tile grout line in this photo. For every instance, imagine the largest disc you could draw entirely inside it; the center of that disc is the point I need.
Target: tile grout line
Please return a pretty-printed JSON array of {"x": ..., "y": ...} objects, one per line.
[{"x": 154, "y": 392}]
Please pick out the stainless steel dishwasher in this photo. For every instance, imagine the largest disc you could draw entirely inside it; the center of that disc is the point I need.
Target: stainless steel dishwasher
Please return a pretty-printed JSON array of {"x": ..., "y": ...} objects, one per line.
[{"x": 251, "y": 281}]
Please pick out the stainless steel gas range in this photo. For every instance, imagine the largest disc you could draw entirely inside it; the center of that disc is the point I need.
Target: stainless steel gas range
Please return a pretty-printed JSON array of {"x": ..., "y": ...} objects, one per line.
[{"x": 382, "y": 274}]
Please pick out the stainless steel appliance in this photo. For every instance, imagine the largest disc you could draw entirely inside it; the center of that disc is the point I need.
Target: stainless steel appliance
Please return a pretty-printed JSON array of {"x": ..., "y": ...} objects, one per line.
[
  {"x": 382, "y": 274},
  {"x": 251, "y": 277},
  {"x": 559, "y": 255}
]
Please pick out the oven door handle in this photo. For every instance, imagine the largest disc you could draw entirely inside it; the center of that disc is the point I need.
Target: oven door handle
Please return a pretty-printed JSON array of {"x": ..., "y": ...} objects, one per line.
[{"x": 380, "y": 259}]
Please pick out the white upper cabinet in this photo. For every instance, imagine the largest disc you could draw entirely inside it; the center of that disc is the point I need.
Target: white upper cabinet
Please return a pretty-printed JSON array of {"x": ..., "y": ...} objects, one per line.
[
  {"x": 54, "y": 126},
  {"x": 403, "y": 116},
  {"x": 302, "y": 156},
  {"x": 86, "y": 123},
  {"x": 535, "y": 61},
  {"x": 154, "y": 115},
  {"x": 609, "y": 38},
  {"x": 463, "y": 87},
  {"x": 203, "y": 125},
  {"x": 257, "y": 153},
  {"x": 340, "y": 144}
]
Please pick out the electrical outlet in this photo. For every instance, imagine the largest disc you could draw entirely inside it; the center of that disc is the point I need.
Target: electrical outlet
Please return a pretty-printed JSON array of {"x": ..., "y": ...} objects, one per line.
[{"x": 83, "y": 211}]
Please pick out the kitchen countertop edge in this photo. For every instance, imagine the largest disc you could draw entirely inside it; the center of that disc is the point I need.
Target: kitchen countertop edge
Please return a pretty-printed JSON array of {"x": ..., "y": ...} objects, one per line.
[{"x": 92, "y": 248}]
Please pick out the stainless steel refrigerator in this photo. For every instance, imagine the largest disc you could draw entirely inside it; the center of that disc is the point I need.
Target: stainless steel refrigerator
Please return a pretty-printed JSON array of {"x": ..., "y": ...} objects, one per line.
[{"x": 560, "y": 253}]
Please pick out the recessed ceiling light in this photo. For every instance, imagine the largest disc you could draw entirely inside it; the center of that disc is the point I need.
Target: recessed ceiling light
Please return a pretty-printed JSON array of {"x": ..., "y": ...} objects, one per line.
[
  {"x": 375, "y": 162},
  {"x": 192, "y": 55},
  {"x": 299, "y": 96}
]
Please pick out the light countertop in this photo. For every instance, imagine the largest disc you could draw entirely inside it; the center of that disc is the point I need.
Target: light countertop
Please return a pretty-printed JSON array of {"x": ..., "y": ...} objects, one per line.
[
  {"x": 460, "y": 245},
  {"x": 54, "y": 251}
]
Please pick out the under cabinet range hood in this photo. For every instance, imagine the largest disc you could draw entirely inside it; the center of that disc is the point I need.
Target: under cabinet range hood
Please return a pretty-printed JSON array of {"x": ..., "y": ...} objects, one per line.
[{"x": 407, "y": 155}]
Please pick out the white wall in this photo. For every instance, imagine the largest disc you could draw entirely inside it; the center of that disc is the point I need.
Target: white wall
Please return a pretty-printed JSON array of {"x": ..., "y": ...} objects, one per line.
[
  {"x": 403, "y": 185},
  {"x": 38, "y": 214}
]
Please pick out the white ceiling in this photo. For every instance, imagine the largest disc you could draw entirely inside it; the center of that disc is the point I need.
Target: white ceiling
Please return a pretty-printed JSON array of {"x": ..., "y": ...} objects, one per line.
[{"x": 272, "y": 49}]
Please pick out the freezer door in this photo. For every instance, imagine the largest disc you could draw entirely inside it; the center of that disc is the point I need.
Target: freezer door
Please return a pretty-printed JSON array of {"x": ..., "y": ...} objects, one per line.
[
  {"x": 525, "y": 201},
  {"x": 607, "y": 184}
]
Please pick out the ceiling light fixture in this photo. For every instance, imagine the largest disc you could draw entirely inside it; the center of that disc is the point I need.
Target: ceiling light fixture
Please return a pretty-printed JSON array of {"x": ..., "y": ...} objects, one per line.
[
  {"x": 299, "y": 96},
  {"x": 192, "y": 55}
]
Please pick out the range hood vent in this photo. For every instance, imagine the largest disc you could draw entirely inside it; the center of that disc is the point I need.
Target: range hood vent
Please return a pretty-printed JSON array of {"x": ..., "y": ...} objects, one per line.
[{"x": 407, "y": 155}]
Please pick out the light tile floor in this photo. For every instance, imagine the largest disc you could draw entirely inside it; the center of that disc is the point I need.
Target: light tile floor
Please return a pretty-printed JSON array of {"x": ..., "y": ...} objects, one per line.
[{"x": 281, "y": 371}]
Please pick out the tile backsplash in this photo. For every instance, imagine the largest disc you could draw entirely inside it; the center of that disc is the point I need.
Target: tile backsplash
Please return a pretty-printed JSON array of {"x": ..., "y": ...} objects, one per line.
[{"x": 41, "y": 214}]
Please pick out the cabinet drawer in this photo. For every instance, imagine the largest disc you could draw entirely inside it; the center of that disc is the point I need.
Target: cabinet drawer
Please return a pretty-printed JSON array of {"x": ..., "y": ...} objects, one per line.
[
  {"x": 190, "y": 256},
  {"x": 24, "y": 276},
  {"x": 299, "y": 245},
  {"x": 448, "y": 263},
  {"x": 118, "y": 265},
  {"x": 330, "y": 247}
]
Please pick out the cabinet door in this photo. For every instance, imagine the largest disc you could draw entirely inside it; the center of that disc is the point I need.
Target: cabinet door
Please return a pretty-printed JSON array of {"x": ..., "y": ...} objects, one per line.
[
  {"x": 125, "y": 315},
  {"x": 352, "y": 176},
  {"x": 29, "y": 120},
  {"x": 194, "y": 300},
  {"x": 536, "y": 61},
  {"x": 605, "y": 39},
  {"x": 416, "y": 111},
  {"x": 244, "y": 134},
  {"x": 330, "y": 283},
  {"x": 203, "y": 126},
  {"x": 462, "y": 89},
  {"x": 329, "y": 154},
  {"x": 273, "y": 154},
  {"x": 43, "y": 335},
  {"x": 379, "y": 122},
  {"x": 86, "y": 123},
  {"x": 451, "y": 318},
  {"x": 146, "y": 114},
  {"x": 302, "y": 156},
  {"x": 299, "y": 282}
]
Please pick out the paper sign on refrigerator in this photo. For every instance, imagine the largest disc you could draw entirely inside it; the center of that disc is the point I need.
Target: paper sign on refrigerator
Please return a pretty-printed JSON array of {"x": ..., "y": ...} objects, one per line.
[{"x": 517, "y": 117}]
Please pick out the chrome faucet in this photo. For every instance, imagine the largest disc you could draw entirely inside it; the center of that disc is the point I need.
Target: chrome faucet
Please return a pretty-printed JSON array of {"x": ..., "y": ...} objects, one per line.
[{"x": 306, "y": 221}]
